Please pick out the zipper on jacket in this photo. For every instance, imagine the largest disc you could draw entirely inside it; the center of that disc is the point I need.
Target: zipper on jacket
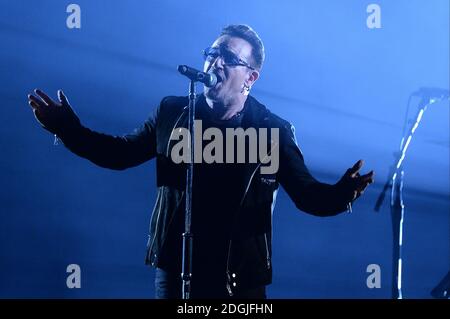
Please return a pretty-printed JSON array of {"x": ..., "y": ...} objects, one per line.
[
  {"x": 229, "y": 244},
  {"x": 157, "y": 223},
  {"x": 230, "y": 292},
  {"x": 267, "y": 251}
]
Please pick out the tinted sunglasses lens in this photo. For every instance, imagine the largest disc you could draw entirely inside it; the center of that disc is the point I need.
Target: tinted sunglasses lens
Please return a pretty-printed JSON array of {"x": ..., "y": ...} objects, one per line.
[
  {"x": 229, "y": 58},
  {"x": 210, "y": 54}
]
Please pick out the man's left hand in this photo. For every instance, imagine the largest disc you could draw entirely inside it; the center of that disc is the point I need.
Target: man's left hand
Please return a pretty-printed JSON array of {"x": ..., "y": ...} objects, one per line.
[{"x": 352, "y": 184}]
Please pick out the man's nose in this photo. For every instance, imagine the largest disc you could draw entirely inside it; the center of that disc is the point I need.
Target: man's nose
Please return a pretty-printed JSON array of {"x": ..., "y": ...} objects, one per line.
[{"x": 218, "y": 62}]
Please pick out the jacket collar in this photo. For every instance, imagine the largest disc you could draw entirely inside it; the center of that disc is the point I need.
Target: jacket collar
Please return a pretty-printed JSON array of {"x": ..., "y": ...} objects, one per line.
[{"x": 255, "y": 114}]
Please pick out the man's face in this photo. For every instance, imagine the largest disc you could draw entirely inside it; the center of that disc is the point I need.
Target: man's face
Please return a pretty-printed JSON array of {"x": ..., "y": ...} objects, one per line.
[{"x": 231, "y": 77}]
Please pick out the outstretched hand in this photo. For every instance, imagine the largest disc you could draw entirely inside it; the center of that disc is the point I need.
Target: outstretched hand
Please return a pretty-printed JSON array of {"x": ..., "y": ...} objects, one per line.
[
  {"x": 352, "y": 184},
  {"x": 53, "y": 116}
]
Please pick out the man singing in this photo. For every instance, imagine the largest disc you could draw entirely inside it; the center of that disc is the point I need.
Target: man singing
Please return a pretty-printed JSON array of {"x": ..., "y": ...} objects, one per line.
[{"x": 232, "y": 202}]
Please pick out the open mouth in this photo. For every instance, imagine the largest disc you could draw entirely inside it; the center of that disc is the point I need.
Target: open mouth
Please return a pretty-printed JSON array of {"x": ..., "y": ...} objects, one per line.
[{"x": 219, "y": 77}]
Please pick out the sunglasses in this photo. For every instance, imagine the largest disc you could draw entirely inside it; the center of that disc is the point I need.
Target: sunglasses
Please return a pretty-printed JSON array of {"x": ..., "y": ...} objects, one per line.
[{"x": 228, "y": 57}]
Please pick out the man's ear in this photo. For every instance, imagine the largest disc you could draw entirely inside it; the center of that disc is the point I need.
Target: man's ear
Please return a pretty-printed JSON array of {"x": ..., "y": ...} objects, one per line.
[{"x": 254, "y": 75}]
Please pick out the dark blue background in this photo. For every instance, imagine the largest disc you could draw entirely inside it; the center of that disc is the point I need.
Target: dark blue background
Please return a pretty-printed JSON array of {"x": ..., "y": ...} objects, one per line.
[{"x": 344, "y": 86}]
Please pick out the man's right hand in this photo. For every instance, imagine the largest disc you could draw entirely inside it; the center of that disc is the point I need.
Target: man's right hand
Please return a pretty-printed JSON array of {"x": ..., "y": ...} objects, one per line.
[{"x": 53, "y": 116}]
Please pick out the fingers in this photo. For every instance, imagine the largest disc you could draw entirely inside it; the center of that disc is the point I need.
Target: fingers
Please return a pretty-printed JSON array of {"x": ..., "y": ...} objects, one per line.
[
  {"x": 368, "y": 177},
  {"x": 34, "y": 102},
  {"x": 354, "y": 170},
  {"x": 45, "y": 97},
  {"x": 364, "y": 181},
  {"x": 43, "y": 100},
  {"x": 62, "y": 98},
  {"x": 357, "y": 182}
]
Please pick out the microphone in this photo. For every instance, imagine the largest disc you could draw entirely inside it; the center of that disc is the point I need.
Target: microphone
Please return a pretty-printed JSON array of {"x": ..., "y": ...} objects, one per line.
[
  {"x": 430, "y": 93},
  {"x": 208, "y": 79}
]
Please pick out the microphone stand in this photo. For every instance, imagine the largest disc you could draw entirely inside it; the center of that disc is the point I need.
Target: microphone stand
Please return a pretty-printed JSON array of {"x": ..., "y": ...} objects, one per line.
[
  {"x": 188, "y": 237},
  {"x": 397, "y": 206},
  {"x": 209, "y": 80}
]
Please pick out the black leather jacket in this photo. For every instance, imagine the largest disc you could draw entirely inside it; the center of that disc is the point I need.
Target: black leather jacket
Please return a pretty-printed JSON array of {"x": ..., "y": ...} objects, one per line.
[{"x": 249, "y": 250}]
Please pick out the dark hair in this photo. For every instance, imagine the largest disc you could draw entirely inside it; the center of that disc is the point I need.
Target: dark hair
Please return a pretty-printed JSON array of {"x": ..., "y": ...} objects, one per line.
[{"x": 248, "y": 34}]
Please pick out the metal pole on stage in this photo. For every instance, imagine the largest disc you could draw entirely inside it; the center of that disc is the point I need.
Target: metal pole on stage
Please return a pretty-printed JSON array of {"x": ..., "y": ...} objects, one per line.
[
  {"x": 395, "y": 182},
  {"x": 208, "y": 80},
  {"x": 188, "y": 237}
]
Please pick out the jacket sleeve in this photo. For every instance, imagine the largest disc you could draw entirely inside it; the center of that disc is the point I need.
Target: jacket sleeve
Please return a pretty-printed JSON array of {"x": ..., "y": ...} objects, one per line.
[
  {"x": 114, "y": 152},
  {"x": 308, "y": 194}
]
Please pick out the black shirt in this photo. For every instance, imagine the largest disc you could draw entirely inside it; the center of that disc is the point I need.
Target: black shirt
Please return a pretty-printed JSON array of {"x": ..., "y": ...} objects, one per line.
[{"x": 214, "y": 203}]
